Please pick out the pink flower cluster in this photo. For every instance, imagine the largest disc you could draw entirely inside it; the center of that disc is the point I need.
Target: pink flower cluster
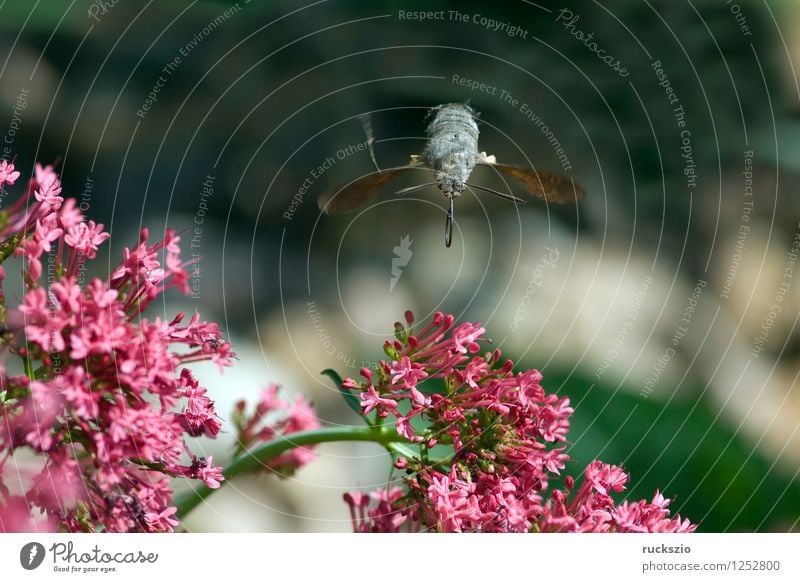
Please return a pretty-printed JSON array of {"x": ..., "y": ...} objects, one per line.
[
  {"x": 490, "y": 442},
  {"x": 275, "y": 418},
  {"x": 99, "y": 394}
]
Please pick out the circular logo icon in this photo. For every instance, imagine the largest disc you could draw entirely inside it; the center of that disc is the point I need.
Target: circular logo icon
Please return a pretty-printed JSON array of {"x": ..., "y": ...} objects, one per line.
[{"x": 31, "y": 555}]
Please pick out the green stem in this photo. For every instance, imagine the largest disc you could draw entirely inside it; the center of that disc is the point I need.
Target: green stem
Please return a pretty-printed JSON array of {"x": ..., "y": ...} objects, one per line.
[
  {"x": 256, "y": 459},
  {"x": 8, "y": 246},
  {"x": 28, "y": 366}
]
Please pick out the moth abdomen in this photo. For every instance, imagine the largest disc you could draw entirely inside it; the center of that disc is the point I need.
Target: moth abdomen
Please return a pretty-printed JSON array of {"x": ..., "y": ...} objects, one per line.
[
  {"x": 453, "y": 128},
  {"x": 452, "y": 147}
]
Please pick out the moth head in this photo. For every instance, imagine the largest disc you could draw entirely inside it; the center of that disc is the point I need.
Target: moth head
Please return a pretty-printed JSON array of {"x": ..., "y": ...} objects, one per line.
[
  {"x": 452, "y": 173},
  {"x": 450, "y": 186}
]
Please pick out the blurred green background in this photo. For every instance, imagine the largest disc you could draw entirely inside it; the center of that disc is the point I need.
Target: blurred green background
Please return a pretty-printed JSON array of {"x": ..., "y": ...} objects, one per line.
[{"x": 655, "y": 317}]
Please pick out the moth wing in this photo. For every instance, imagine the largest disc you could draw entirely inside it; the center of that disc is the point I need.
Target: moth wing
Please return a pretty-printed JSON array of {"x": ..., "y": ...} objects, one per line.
[
  {"x": 550, "y": 186},
  {"x": 358, "y": 192}
]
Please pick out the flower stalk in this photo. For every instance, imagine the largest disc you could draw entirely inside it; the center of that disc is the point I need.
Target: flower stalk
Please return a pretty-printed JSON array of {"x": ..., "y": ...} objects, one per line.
[{"x": 255, "y": 460}]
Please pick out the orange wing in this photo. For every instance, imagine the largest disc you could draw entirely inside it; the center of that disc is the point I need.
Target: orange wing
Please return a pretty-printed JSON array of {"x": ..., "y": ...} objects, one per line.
[
  {"x": 550, "y": 186},
  {"x": 358, "y": 192}
]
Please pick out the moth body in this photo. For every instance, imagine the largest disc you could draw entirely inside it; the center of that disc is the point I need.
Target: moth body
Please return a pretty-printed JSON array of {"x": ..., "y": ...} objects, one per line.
[{"x": 452, "y": 147}]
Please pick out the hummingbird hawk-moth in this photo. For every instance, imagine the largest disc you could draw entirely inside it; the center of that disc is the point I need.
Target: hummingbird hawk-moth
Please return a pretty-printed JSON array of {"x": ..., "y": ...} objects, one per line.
[{"x": 451, "y": 153}]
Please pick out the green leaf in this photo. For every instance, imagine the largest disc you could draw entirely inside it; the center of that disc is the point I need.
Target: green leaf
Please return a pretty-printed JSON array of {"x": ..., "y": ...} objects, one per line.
[
  {"x": 351, "y": 399},
  {"x": 434, "y": 386},
  {"x": 716, "y": 475},
  {"x": 408, "y": 451}
]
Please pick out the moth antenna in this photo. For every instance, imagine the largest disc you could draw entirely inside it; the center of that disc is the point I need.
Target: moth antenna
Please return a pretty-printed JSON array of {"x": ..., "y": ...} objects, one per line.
[
  {"x": 448, "y": 224},
  {"x": 414, "y": 188},
  {"x": 496, "y": 193},
  {"x": 366, "y": 125}
]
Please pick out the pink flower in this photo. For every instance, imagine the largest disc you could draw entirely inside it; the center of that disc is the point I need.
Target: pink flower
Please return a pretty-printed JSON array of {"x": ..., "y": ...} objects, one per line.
[
  {"x": 465, "y": 336},
  {"x": 474, "y": 371},
  {"x": 107, "y": 403},
  {"x": 199, "y": 418},
  {"x": 16, "y": 515},
  {"x": 605, "y": 478},
  {"x": 163, "y": 521},
  {"x": 69, "y": 214},
  {"x": 48, "y": 194},
  {"x": 502, "y": 439},
  {"x": 407, "y": 371},
  {"x": 370, "y": 399},
  {"x": 37, "y": 205},
  {"x": 275, "y": 418},
  {"x": 42, "y": 326},
  {"x": 58, "y": 484},
  {"x": 8, "y": 175},
  {"x": 211, "y": 476},
  {"x": 380, "y": 518},
  {"x": 74, "y": 386},
  {"x": 86, "y": 238},
  {"x": 46, "y": 232}
]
